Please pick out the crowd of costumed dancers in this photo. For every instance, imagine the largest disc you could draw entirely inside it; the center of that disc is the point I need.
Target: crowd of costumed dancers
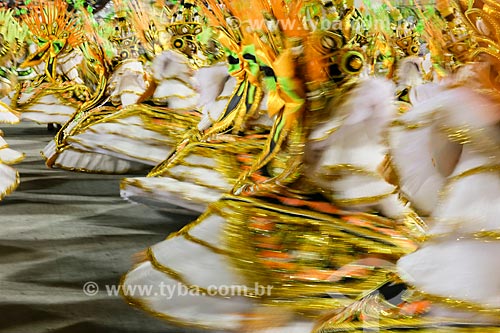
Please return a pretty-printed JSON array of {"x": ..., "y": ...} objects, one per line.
[{"x": 346, "y": 156}]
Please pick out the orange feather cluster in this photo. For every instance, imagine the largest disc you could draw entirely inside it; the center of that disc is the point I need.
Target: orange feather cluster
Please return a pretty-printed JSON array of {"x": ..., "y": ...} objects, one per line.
[
  {"x": 315, "y": 60},
  {"x": 214, "y": 12},
  {"x": 219, "y": 16},
  {"x": 145, "y": 19},
  {"x": 52, "y": 20}
]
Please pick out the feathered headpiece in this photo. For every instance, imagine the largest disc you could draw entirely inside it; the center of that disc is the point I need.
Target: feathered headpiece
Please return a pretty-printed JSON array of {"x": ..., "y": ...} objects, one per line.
[
  {"x": 12, "y": 33},
  {"x": 184, "y": 27},
  {"x": 99, "y": 50},
  {"x": 404, "y": 31},
  {"x": 150, "y": 24},
  {"x": 55, "y": 30},
  {"x": 125, "y": 38}
]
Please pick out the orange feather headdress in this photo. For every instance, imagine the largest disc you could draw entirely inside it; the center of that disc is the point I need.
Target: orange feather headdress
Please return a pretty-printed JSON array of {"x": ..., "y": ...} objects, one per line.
[{"x": 54, "y": 29}]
